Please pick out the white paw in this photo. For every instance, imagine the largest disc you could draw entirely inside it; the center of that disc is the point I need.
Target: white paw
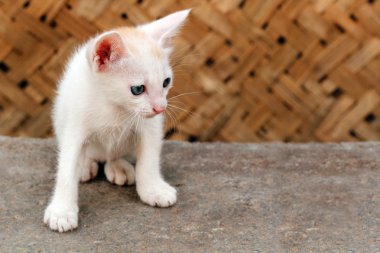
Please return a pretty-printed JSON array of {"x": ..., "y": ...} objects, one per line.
[
  {"x": 89, "y": 171},
  {"x": 120, "y": 172},
  {"x": 61, "y": 218},
  {"x": 158, "y": 194}
]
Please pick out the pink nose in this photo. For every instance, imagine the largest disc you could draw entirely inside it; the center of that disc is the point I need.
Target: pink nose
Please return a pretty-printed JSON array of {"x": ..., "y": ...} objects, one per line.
[{"x": 158, "y": 109}]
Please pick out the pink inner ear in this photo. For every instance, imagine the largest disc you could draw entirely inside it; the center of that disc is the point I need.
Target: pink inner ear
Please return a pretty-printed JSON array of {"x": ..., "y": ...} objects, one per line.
[
  {"x": 103, "y": 53},
  {"x": 108, "y": 50}
]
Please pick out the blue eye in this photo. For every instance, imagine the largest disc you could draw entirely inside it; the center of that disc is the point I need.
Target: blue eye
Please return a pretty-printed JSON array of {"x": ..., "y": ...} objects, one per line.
[
  {"x": 166, "y": 82},
  {"x": 137, "y": 89}
]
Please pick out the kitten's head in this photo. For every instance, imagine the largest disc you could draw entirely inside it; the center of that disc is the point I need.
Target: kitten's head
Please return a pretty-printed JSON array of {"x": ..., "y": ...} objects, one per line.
[{"x": 131, "y": 65}]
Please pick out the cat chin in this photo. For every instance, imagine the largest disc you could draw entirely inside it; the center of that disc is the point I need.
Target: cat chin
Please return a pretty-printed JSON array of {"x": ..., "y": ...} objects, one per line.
[{"x": 149, "y": 115}]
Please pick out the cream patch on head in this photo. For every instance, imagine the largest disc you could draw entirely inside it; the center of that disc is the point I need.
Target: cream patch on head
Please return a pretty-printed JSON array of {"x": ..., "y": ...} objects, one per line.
[{"x": 139, "y": 43}]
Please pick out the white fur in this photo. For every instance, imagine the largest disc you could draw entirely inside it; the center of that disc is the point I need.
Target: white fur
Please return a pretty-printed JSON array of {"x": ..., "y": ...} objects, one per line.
[{"x": 97, "y": 118}]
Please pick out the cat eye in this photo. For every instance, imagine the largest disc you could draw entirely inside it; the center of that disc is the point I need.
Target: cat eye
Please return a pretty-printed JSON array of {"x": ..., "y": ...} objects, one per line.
[
  {"x": 166, "y": 82},
  {"x": 137, "y": 89}
]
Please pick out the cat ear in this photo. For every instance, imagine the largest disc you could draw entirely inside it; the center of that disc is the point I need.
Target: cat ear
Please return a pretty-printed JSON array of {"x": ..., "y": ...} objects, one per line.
[
  {"x": 108, "y": 49},
  {"x": 164, "y": 29}
]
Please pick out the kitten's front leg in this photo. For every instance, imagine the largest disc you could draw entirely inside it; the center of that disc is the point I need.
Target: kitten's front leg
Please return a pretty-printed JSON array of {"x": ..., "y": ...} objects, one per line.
[
  {"x": 150, "y": 185},
  {"x": 62, "y": 212}
]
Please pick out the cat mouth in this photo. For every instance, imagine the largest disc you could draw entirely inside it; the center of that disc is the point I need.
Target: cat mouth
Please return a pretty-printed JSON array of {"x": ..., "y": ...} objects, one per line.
[{"x": 150, "y": 114}]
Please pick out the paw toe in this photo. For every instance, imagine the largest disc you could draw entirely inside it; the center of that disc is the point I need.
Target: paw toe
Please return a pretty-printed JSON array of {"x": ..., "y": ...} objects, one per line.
[
  {"x": 61, "y": 220},
  {"x": 161, "y": 196},
  {"x": 89, "y": 171},
  {"x": 120, "y": 179},
  {"x": 120, "y": 172}
]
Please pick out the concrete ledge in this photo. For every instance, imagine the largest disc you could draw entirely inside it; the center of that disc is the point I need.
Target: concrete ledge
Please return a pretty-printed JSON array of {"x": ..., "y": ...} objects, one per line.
[{"x": 232, "y": 198}]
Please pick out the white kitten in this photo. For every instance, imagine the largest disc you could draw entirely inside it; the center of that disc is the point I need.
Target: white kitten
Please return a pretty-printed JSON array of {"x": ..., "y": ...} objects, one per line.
[{"x": 109, "y": 104}]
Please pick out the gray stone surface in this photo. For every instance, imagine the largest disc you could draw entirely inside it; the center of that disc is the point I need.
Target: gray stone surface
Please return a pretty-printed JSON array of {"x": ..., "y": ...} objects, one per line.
[{"x": 232, "y": 198}]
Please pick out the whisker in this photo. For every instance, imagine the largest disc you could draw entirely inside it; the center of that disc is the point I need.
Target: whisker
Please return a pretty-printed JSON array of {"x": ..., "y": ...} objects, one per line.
[
  {"x": 137, "y": 127},
  {"x": 178, "y": 102},
  {"x": 173, "y": 119},
  {"x": 177, "y": 122},
  {"x": 182, "y": 109},
  {"x": 183, "y": 94},
  {"x": 129, "y": 116}
]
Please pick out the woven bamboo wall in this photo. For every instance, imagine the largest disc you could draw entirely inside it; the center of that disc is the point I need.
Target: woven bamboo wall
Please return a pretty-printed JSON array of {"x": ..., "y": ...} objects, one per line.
[{"x": 283, "y": 70}]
